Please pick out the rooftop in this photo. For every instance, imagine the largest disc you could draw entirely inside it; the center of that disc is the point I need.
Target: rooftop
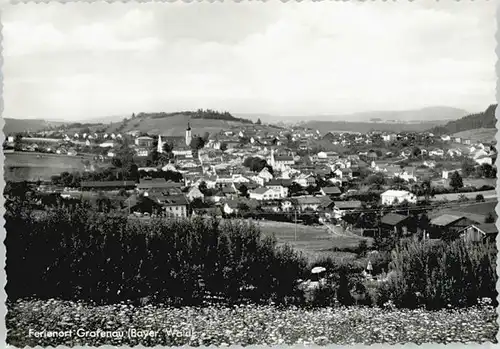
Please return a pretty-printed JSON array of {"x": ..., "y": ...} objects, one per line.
[
  {"x": 445, "y": 219},
  {"x": 396, "y": 193},
  {"x": 343, "y": 205},
  {"x": 393, "y": 219},
  {"x": 331, "y": 190}
]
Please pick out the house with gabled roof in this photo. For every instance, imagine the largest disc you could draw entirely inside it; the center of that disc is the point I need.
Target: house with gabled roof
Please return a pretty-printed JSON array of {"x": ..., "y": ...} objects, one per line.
[
  {"x": 174, "y": 205},
  {"x": 331, "y": 191},
  {"x": 264, "y": 193},
  {"x": 280, "y": 185},
  {"x": 265, "y": 175},
  {"x": 341, "y": 208},
  {"x": 395, "y": 223},
  {"x": 142, "y": 204},
  {"x": 305, "y": 180},
  {"x": 309, "y": 202},
  {"x": 194, "y": 193},
  {"x": 449, "y": 224}
]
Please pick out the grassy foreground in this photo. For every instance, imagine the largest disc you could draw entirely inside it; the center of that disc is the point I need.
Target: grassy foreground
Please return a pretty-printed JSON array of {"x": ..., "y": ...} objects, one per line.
[{"x": 244, "y": 325}]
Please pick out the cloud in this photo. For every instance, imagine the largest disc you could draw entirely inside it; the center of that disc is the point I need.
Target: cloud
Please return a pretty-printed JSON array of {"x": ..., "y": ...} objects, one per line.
[{"x": 294, "y": 58}]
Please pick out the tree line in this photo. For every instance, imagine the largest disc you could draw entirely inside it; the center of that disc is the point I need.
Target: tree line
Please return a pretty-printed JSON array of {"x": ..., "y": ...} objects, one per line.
[{"x": 484, "y": 119}]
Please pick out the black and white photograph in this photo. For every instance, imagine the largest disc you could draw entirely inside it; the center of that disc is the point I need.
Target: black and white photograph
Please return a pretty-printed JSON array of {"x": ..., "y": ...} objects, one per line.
[{"x": 253, "y": 173}]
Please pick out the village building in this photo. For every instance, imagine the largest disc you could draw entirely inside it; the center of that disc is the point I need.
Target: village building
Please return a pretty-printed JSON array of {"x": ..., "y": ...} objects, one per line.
[
  {"x": 449, "y": 224},
  {"x": 265, "y": 193},
  {"x": 142, "y": 204},
  {"x": 341, "y": 208},
  {"x": 331, "y": 191},
  {"x": 392, "y": 197},
  {"x": 396, "y": 224},
  {"x": 194, "y": 193},
  {"x": 407, "y": 177},
  {"x": 174, "y": 205},
  {"x": 144, "y": 142},
  {"x": 157, "y": 185},
  {"x": 312, "y": 203},
  {"x": 280, "y": 185},
  {"x": 265, "y": 175},
  {"x": 107, "y": 144},
  {"x": 305, "y": 180},
  {"x": 280, "y": 162}
]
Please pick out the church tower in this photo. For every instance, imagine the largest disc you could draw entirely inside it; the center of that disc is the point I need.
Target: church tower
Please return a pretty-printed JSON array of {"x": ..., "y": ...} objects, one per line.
[
  {"x": 160, "y": 145},
  {"x": 188, "y": 135}
]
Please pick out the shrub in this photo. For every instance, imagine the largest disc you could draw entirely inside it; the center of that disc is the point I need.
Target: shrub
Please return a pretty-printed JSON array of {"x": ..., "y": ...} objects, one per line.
[
  {"x": 343, "y": 279},
  {"x": 80, "y": 254},
  {"x": 362, "y": 248},
  {"x": 490, "y": 218},
  {"x": 479, "y": 198},
  {"x": 440, "y": 274}
]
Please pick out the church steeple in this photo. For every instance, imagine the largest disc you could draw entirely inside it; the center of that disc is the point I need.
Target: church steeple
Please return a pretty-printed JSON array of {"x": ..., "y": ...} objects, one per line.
[
  {"x": 160, "y": 145},
  {"x": 188, "y": 135}
]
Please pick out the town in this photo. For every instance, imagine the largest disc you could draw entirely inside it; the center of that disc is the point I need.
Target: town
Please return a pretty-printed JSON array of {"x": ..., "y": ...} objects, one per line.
[
  {"x": 218, "y": 174},
  {"x": 367, "y": 185}
]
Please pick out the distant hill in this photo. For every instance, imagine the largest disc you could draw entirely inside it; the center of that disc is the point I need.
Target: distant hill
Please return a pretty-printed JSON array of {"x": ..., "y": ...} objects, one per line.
[
  {"x": 430, "y": 114},
  {"x": 171, "y": 124},
  {"x": 484, "y": 119},
  {"x": 174, "y": 124},
  {"x": 206, "y": 114},
  {"x": 23, "y": 125},
  {"x": 364, "y": 127}
]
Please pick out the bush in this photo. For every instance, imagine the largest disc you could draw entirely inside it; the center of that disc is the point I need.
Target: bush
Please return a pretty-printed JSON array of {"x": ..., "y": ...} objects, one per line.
[
  {"x": 343, "y": 285},
  {"x": 490, "y": 218},
  {"x": 84, "y": 255},
  {"x": 437, "y": 275},
  {"x": 479, "y": 198}
]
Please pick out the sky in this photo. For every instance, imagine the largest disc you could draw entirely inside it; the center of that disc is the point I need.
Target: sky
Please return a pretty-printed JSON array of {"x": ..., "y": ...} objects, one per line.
[{"x": 77, "y": 61}]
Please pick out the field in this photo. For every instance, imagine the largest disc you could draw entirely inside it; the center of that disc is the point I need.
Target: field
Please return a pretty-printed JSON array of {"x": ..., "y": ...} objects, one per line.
[
  {"x": 480, "y": 208},
  {"x": 478, "y": 135},
  {"x": 313, "y": 242},
  {"x": 488, "y": 194},
  {"x": 244, "y": 325},
  {"x": 33, "y": 166},
  {"x": 468, "y": 182},
  {"x": 13, "y": 126}
]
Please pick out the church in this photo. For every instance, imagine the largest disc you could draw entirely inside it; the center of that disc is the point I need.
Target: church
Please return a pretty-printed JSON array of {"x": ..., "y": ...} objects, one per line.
[{"x": 183, "y": 150}]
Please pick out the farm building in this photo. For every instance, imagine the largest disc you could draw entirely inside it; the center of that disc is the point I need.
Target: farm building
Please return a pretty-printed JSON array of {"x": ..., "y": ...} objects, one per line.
[
  {"x": 395, "y": 223},
  {"x": 449, "y": 224}
]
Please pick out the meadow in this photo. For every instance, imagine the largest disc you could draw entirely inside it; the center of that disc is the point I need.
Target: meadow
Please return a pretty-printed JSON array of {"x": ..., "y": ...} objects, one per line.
[
  {"x": 247, "y": 325},
  {"x": 32, "y": 166},
  {"x": 488, "y": 194},
  {"x": 478, "y": 135},
  {"x": 314, "y": 242}
]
